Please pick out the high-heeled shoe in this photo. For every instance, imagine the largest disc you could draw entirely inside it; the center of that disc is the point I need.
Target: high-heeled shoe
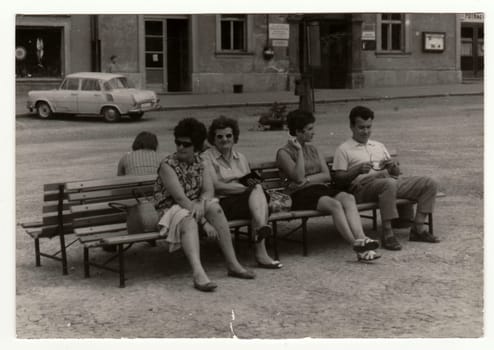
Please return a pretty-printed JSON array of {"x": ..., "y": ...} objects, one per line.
[
  {"x": 205, "y": 287},
  {"x": 363, "y": 244},
  {"x": 246, "y": 275}
]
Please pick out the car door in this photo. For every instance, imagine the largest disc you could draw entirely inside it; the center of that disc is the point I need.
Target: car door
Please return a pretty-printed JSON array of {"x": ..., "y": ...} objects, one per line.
[
  {"x": 64, "y": 99},
  {"x": 90, "y": 98}
]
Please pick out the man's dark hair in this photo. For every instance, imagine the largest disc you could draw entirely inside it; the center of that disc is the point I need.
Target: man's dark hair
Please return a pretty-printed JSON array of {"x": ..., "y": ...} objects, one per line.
[
  {"x": 298, "y": 120},
  {"x": 360, "y": 112},
  {"x": 145, "y": 140},
  {"x": 193, "y": 129},
  {"x": 223, "y": 122}
]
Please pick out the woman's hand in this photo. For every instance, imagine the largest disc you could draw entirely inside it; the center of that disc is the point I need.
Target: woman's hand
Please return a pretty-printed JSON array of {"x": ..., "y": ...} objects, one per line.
[
  {"x": 210, "y": 230},
  {"x": 295, "y": 143},
  {"x": 198, "y": 210}
]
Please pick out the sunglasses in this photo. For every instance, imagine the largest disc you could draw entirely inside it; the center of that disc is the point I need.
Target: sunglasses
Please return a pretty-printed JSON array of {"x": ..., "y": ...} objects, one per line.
[
  {"x": 184, "y": 144},
  {"x": 227, "y": 136}
]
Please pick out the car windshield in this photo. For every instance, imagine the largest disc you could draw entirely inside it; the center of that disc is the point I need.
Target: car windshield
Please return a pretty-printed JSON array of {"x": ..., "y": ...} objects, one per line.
[{"x": 118, "y": 83}]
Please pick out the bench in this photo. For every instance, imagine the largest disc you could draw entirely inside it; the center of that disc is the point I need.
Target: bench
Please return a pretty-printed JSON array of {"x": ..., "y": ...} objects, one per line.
[{"x": 81, "y": 208}]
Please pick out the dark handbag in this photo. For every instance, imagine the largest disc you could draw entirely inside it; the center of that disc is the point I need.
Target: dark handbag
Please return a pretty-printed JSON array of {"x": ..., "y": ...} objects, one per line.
[{"x": 250, "y": 179}]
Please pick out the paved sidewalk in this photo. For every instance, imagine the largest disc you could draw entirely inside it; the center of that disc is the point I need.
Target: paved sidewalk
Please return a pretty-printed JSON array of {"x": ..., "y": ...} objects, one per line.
[{"x": 187, "y": 101}]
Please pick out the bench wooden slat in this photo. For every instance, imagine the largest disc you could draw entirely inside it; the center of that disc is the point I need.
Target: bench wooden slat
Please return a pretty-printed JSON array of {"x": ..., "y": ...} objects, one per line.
[
  {"x": 111, "y": 182},
  {"x": 114, "y": 194},
  {"x": 53, "y": 207},
  {"x": 139, "y": 237},
  {"x": 99, "y": 206},
  {"x": 99, "y": 237},
  {"x": 84, "y": 231},
  {"x": 96, "y": 220}
]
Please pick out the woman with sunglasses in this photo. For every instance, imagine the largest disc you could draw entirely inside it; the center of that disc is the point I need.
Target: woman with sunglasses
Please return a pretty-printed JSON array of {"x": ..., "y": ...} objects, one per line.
[
  {"x": 307, "y": 175},
  {"x": 184, "y": 196},
  {"x": 239, "y": 201}
]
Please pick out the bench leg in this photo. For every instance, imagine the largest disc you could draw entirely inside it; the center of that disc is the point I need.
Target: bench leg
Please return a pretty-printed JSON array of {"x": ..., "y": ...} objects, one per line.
[
  {"x": 304, "y": 236},
  {"x": 274, "y": 240},
  {"x": 37, "y": 252},
  {"x": 86, "y": 262},
  {"x": 374, "y": 220},
  {"x": 431, "y": 224},
  {"x": 121, "y": 266},
  {"x": 64, "y": 254},
  {"x": 236, "y": 238}
]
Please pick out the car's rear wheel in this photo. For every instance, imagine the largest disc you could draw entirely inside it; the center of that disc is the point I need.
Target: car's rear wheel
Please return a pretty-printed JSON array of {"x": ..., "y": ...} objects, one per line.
[
  {"x": 111, "y": 114},
  {"x": 136, "y": 116},
  {"x": 43, "y": 110}
]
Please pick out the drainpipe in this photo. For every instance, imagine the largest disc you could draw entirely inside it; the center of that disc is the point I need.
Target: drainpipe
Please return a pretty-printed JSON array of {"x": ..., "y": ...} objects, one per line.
[{"x": 95, "y": 44}]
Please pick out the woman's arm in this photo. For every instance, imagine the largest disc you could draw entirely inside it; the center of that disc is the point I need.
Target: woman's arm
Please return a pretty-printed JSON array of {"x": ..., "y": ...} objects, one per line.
[
  {"x": 222, "y": 186},
  {"x": 207, "y": 191},
  {"x": 295, "y": 171},
  {"x": 121, "y": 166},
  {"x": 170, "y": 181},
  {"x": 323, "y": 176}
]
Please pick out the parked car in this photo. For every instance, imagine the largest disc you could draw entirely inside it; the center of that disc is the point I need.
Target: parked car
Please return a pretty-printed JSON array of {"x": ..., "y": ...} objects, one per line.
[{"x": 92, "y": 93}]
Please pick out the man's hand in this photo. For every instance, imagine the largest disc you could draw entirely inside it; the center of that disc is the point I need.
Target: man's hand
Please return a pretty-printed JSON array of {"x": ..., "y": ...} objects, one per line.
[
  {"x": 363, "y": 168},
  {"x": 392, "y": 166}
]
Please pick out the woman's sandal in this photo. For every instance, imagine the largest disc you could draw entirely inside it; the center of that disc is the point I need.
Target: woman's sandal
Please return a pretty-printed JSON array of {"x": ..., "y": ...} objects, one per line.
[
  {"x": 367, "y": 256},
  {"x": 364, "y": 244}
]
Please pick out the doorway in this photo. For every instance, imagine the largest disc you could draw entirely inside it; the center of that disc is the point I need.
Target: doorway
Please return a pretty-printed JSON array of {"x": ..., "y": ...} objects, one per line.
[
  {"x": 334, "y": 42},
  {"x": 167, "y": 54},
  {"x": 472, "y": 50}
]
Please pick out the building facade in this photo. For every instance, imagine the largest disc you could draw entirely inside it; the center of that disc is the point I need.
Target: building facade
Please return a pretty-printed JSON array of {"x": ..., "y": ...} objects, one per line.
[{"x": 225, "y": 53}]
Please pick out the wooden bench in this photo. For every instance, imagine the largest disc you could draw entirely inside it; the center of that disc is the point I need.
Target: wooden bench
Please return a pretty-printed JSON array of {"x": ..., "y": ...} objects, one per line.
[
  {"x": 56, "y": 222},
  {"x": 81, "y": 208}
]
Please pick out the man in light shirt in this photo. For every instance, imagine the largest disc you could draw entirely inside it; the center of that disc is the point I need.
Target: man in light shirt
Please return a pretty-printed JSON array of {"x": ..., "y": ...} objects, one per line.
[{"x": 366, "y": 167}]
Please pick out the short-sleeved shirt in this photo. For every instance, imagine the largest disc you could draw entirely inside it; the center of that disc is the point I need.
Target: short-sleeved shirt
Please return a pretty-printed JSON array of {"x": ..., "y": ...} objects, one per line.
[
  {"x": 140, "y": 162},
  {"x": 311, "y": 160},
  {"x": 190, "y": 176},
  {"x": 227, "y": 170},
  {"x": 351, "y": 153}
]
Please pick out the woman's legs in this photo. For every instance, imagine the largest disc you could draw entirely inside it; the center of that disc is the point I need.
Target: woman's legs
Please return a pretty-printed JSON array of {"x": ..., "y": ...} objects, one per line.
[
  {"x": 352, "y": 215},
  {"x": 190, "y": 245},
  {"x": 330, "y": 205},
  {"x": 214, "y": 215},
  {"x": 258, "y": 206}
]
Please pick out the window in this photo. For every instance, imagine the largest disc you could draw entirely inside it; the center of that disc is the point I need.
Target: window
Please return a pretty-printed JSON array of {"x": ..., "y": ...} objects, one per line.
[
  {"x": 233, "y": 33},
  {"x": 38, "y": 52},
  {"x": 392, "y": 32},
  {"x": 90, "y": 85},
  {"x": 70, "y": 84}
]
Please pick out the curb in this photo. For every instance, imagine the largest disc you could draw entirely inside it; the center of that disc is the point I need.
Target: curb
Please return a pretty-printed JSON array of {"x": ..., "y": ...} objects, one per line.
[{"x": 322, "y": 101}]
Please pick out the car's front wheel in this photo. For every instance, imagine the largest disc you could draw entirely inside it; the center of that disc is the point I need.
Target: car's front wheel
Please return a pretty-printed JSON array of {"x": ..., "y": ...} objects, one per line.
[
  {"x": 136, "y": 116},
  {"x": 43, "y": 110},
  {"x": 111, "y": 114}
]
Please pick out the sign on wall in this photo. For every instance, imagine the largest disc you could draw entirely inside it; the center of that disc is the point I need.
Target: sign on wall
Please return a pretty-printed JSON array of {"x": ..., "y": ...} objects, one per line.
[
  {"x": 279, "y": 31},
  {"x": 368, "y": 36},
  {"x": 472, "y": 17}
]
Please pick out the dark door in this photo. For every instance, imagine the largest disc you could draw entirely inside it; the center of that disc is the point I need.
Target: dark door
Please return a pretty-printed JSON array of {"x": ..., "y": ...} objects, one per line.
[
  {"x": 472, "y": 50},
  {"x": 178, "y": 54},
  {"x": 332, "y": 73}
]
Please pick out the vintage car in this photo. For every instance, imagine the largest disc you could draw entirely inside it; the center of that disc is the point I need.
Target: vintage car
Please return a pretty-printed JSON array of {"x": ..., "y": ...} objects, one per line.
[{"x": 106, "y": 94}]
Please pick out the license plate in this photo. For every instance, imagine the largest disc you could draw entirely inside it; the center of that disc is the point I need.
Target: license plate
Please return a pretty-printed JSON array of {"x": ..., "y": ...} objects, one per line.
[{"x": 146, "y": 105}]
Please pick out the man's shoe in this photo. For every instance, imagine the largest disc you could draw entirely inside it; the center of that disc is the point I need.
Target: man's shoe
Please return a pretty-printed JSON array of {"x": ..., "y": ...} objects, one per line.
[
  {"x": 390, "y": 243},
  {"x": 424, "y": 236}
]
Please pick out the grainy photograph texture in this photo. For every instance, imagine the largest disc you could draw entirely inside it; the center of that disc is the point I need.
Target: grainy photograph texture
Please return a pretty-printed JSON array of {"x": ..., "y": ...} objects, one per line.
[{"x": 100, "y": 99}]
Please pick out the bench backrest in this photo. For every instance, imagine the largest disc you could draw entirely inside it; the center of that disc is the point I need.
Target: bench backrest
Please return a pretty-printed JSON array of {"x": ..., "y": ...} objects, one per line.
[
  {"x": 89, "y": 200},
  {"x": 85, "y": 203}
]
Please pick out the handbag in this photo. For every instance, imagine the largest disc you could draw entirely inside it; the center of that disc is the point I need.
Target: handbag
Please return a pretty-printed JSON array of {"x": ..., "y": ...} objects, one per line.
[
  {"x": 279, "y": 201},
  {"x": 250, "y": 179}
]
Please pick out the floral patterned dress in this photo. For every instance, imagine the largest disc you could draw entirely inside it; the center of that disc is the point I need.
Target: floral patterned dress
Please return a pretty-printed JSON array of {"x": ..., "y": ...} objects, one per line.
[{"x": 190, "y": 176}]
